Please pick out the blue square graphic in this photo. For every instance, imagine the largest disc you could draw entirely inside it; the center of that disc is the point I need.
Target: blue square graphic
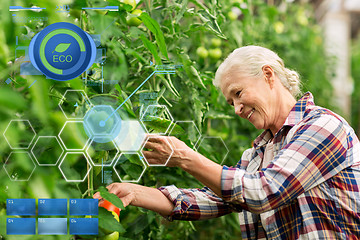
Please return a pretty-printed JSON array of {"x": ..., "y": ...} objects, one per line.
[
  {"x": 84, "y": 226},
  {"x": 21, "y": 207},
  {"x": 8, "y": 81},
  {"x": 20, "y": 226},
  {"x": 52, "y": 226},
  {"x": 84, "y": 207},
  {"x": 53, "y": 207}
]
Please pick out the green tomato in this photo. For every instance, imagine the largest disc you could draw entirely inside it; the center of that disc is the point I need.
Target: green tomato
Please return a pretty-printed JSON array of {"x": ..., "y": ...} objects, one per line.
[
  {"x": 279, "y": 27},
  {"x": 111, "y": 236},
  {"x": 132, "y": 3},
  {"x": 232, "y": 16},
  {"x": 127, "y": 178},
  {"x": 215, "y": 53},
  {"x": 215, "y": 42},
  {"x": 202, "y": 52},
  {"x": 134, "y": 21}
]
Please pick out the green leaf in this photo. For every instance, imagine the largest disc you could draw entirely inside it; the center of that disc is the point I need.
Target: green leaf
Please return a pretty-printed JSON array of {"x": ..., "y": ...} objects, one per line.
[
  {"x": 180, "y": 14},
  {"x": 151, "y": 47},
  {"x": 176, "y": 129},
  {"x": 210, "y": 22},
  {"x": 62, "y": 47},
  {"x": 190, "y": 70},
  {"x": 154, "y": 27},
  {"x": 11, "y": 99},
  {"x": 108, "y": 222},
  {"x": 139, "y": 224},
  {"x": 111, "y": 197},
  {"x": 156, "y": 123}
]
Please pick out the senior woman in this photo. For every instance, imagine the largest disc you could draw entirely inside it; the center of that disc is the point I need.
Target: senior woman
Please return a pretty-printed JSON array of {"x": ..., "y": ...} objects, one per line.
[{"x": 300, "y": 180}]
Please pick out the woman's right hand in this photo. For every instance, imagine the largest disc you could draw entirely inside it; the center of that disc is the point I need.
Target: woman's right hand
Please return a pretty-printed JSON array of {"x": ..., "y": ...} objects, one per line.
[
  {"x": 124, "y": 191},
  {"x": 140, "y": 196}
]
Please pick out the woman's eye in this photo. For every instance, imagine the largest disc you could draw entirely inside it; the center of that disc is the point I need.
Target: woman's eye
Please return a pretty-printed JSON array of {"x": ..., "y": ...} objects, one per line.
[{"x": 238, "y": 93}]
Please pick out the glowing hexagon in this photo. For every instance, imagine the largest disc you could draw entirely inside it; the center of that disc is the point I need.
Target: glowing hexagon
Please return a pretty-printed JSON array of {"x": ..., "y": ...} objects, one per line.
[
  {"x": 19, "y": 134},
  {"x": 74, "y": 104},
  {"x": 131, "y": 136},
  {"x": 155, "y": 139},
  {"x": 102, "y": 123},
  {"x": 214, "y": 148},
  {"x": 187, "y": 132},
  {"x": 157, "y": 119},
  {"x": 47, "y": 150},
  {"x": 73, "y": 136},
  {"x": 130, "y": 167},
  {"x": 19, "y": 166},
  {"x": 75, "y": 166},
  {"x": 102, "y": 154}
]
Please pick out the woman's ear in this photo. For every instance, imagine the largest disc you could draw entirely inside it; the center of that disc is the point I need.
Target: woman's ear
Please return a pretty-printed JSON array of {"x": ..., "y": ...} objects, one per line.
[{"x": 269, "y": 75}]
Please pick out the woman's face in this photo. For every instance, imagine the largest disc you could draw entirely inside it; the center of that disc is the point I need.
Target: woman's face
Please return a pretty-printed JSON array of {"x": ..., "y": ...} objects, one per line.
[{"x": 252, "y": 98}]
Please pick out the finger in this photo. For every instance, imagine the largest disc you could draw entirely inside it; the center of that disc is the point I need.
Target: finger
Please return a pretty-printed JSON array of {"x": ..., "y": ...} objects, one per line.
[
  {"x": 97, "y": 195},
  {"x": 152, "y": 157},
  {"x": 150, "y": 154},
  {"x": 157, "y": 139},
  {"x": 151, "y": 145},
  {"x": 126, "y": 200},
  {"x": 111, "y": 186}
]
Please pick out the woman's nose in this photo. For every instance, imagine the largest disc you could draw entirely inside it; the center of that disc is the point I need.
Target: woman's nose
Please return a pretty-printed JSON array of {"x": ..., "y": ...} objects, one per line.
[{"x": 238, "y": 109}]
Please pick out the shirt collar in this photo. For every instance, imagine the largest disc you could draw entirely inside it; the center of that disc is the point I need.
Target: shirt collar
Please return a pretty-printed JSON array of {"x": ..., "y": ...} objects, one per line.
[{"x": 296, "y": 114}]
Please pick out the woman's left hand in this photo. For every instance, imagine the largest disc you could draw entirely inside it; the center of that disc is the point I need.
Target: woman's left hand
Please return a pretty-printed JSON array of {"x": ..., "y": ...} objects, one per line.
[{"x": 168, "y": 151}]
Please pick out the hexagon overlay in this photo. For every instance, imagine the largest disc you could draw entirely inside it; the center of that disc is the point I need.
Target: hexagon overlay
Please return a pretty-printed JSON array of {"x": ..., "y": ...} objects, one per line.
[
  {"x": 214, "y": 148},
  {"x": 75, "y": 166},
  {"x": 102, "y": 122},
  {"x": 19, "y": 166},
  {"x": 130, "y": 167},
  {"x": 157, "y": 119},
  {"x": 73, "y": 136},
  {"x": 74, "y": 104},
  {"x": 47, "y": 150},
  {"x": 19, "y": 134},
  {"x": 187, "y": 132},
  {"x": 154, "y": 139},
  {"x": 102, "y": 154},
  {"x": 131, "y": 136}
]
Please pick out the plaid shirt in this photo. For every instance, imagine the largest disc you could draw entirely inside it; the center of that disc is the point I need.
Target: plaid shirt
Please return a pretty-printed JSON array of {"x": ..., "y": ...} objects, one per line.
[{"x": 310, "y": 190}]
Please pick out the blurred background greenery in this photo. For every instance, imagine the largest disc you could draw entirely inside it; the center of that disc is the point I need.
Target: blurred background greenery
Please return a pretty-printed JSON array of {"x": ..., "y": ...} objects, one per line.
[{"x": 197, "y": 35}]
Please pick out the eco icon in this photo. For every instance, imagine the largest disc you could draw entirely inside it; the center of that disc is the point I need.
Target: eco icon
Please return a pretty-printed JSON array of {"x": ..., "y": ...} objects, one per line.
[{"x": 62, "y": 51}]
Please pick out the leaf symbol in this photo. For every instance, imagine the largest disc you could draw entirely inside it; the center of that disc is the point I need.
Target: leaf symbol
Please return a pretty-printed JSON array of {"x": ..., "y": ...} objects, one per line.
[{"x": 62, "y": 47}]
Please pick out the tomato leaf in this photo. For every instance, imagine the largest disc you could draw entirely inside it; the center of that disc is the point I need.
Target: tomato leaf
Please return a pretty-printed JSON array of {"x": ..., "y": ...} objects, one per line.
[
  {"x": 157, "y": 124},
  {"x": 151, "y": 47},
  {"x": 154, "y": 27},
  {"x": 108, "y": 222},
  {"x": 111, "y": 197}
]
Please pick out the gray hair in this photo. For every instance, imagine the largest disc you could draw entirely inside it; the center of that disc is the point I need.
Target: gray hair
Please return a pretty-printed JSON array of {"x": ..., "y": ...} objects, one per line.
[{"x": 251, "y": 60}]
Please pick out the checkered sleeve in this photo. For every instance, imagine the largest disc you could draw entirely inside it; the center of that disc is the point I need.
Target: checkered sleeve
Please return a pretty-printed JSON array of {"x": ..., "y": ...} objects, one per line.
[
  {"x": 315, "y": 153},
  {"x": 195, "y": 204}
]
